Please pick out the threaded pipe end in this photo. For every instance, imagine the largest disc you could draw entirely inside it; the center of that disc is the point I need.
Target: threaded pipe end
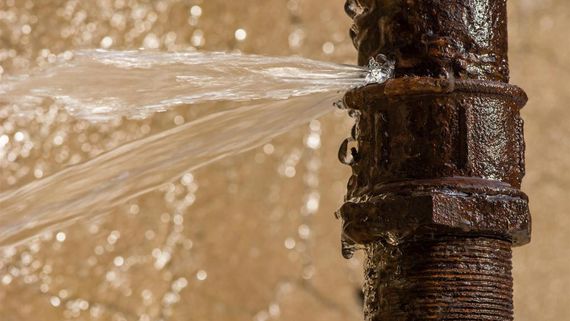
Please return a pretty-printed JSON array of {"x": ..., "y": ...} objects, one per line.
[{"x": 451, "y": 278}]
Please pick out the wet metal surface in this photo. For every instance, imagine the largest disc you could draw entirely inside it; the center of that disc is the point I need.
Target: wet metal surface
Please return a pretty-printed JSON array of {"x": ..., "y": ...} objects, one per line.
[
  {"x": 428, "y": 38},
  {"x": 439, "y": 159}
]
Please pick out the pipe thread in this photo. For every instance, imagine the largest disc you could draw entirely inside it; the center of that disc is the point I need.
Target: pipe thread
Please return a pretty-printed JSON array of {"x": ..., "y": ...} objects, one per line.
[{"x": 451, "y": 278}]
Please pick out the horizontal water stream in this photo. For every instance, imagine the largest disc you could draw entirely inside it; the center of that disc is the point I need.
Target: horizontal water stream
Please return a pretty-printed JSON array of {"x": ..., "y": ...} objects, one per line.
[
  {"x": 99, "y": 85},
  {"x": 272, "y": 95}
]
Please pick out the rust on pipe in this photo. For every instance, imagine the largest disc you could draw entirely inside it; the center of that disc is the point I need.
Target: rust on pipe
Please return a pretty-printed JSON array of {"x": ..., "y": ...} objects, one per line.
[{"x": 435, "y": 196}]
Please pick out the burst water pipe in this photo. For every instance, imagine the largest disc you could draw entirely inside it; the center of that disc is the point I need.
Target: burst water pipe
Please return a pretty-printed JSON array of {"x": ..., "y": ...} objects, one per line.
[{"x": 435, "y": 196}]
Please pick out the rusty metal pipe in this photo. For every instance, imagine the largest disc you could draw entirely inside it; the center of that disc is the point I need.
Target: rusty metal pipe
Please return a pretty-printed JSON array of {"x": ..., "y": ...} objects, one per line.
[{"x": 435, "y": 196}]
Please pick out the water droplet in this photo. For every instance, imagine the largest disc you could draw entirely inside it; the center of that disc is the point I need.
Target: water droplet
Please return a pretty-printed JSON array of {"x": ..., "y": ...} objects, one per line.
[
  {"x": 178, "y": 120},
  {"x": 19, "y": 136},
  {"x": 6, "y": 279},
  {"x": 240, "y": 34},
  {"x": 4, "y": 139},
  {"x": 26, "y": 29},
  {"x": 262, "y": 316},
  {"x": 380, "y": 69},
  {"x": 179, "y": 284},
  {"x": 268, "y": 149},
  {"x": 274, "y": 310},
  {"x": 201, "y": 275},
  {"x": 60, "y": 237},
  {"x": 113, "y": 237},
  {"x": 290, "y": 243},
  {"x": 198, "y": 38},
  {"x": 304, "y": 231},
  {"x": 354, "y": 113},
  {"x": 38, "y": 173},
  {"x": 296, "y": 38},
  {"x": 313, "y": 141},
  {"x": 151, "y": 41},
  {"x": 55, "y": 301},
  {"x": 348, "y": 152},
  {"x": 118, "y": 261},
  {"x": 106, "y": 42},
  {"x": 290, "y": 171},
  {"x": 348, "y": 248},
  {"x": 196, "y": 11},
  {"x": 134, "y": 209},
  {"x": 149, "y": 234},
  {"x": 340, "y": 104},
  {"x": 312, "y": 204},
  {"x": 328, "y": 48},
  {"x": 354, "y": 132}
]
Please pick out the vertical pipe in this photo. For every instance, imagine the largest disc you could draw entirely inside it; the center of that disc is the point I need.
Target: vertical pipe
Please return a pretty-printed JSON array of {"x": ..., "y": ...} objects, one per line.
[{"x": 435, "y": 193}]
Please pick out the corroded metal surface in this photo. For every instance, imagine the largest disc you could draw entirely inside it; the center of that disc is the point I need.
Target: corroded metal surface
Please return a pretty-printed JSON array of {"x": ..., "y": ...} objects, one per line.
[
  {"x": 446, "y": 278},
  {"x": 429, "y": 37},
  {"x": 435, "y": 192}
]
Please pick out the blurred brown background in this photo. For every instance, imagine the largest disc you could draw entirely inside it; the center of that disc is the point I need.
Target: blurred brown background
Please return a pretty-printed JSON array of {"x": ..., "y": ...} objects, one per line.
[{"x": 252, "y": 237}]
